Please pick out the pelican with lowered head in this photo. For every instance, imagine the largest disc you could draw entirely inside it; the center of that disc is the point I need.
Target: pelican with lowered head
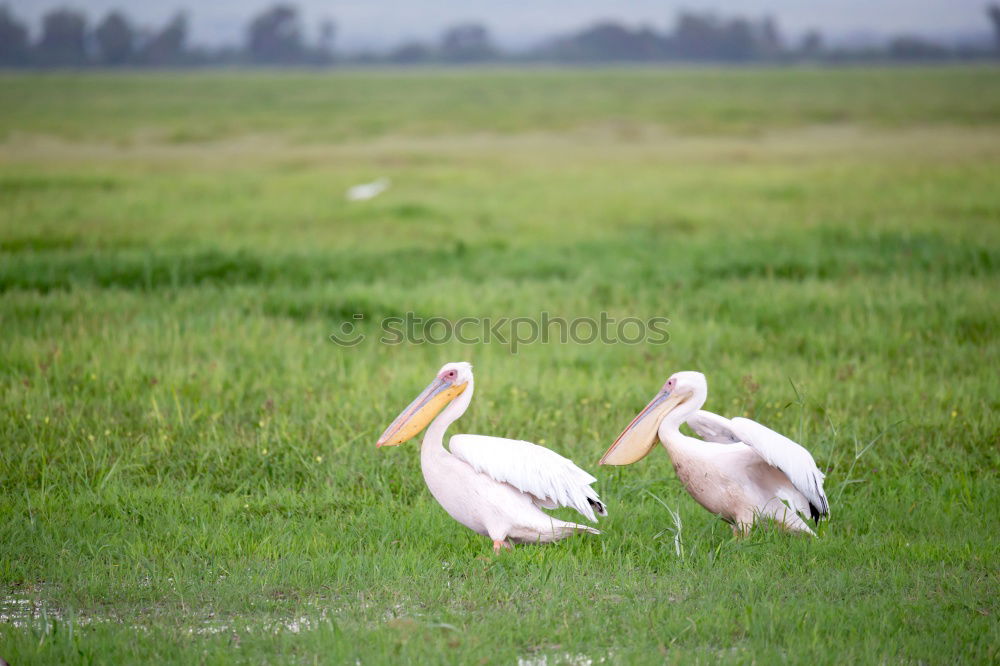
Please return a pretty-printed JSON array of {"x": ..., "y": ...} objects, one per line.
[
  {"x": 741, "y": 471},
  {"x": 494, "y": 486}
]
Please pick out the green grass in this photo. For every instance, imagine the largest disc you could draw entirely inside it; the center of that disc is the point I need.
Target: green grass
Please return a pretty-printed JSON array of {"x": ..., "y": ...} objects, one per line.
[
  {"x": 190, "y": 108},
  {"x": 188, "y": 471}
]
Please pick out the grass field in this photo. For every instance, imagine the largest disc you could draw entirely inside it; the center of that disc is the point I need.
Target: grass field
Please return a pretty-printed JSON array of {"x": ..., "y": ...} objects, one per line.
[{"x": 188, "y": 471}]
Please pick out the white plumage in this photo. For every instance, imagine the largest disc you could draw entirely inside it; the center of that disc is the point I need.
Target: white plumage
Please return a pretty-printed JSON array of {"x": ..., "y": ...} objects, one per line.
[
  {"x": 712, "y": 427},
  {"x": 494, "y": 486},
  {"x": 542, "y": 473},
  {"x": 777, "y": 450},
  {"x": 741, "y": 471}
]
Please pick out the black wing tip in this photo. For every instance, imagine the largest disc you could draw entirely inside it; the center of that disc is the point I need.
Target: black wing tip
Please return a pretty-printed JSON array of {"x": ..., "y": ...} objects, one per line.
[
  {"x": 598, "y": 506},
  {"x": 818, "y": 513}
]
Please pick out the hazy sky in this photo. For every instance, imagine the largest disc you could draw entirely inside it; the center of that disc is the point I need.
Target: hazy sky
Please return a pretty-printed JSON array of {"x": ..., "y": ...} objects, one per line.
[{"x": 518, "y": 23}]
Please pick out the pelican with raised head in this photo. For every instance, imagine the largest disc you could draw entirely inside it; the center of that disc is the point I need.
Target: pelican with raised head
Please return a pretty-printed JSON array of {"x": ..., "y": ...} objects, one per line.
[
  {"x": 494, "y": 486},
  {"x": 741, "y": 471}
]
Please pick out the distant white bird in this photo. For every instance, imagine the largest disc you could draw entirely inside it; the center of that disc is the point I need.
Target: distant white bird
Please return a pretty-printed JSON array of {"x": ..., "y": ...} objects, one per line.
[
  {"x": 494, "y": 486},
  {"x": 366, "y": 191},
  {"x": 742, "y": 470}
]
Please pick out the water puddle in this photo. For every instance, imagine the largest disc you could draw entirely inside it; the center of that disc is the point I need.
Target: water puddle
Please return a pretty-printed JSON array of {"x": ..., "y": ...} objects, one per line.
[{"x": 23, "y": 610}]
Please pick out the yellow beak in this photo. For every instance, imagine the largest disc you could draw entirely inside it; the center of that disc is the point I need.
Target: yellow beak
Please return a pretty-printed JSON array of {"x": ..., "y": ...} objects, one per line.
[
  {"x": 639, "y": 438},
  {"x": 420, "y": 412}
]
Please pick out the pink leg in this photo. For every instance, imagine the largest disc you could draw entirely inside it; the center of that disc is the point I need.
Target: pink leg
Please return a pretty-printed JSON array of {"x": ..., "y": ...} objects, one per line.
[{"x": 497, "y": 545}]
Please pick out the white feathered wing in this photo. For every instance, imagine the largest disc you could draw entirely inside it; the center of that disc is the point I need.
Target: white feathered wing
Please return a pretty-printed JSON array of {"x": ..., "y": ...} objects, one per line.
[
  {"x": 554, "y": 481},
  {"x": 776, "y": 450}
]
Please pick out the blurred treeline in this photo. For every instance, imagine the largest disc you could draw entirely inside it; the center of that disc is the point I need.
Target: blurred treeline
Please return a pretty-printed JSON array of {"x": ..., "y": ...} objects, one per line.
[{"x": 276, "y": 36}]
